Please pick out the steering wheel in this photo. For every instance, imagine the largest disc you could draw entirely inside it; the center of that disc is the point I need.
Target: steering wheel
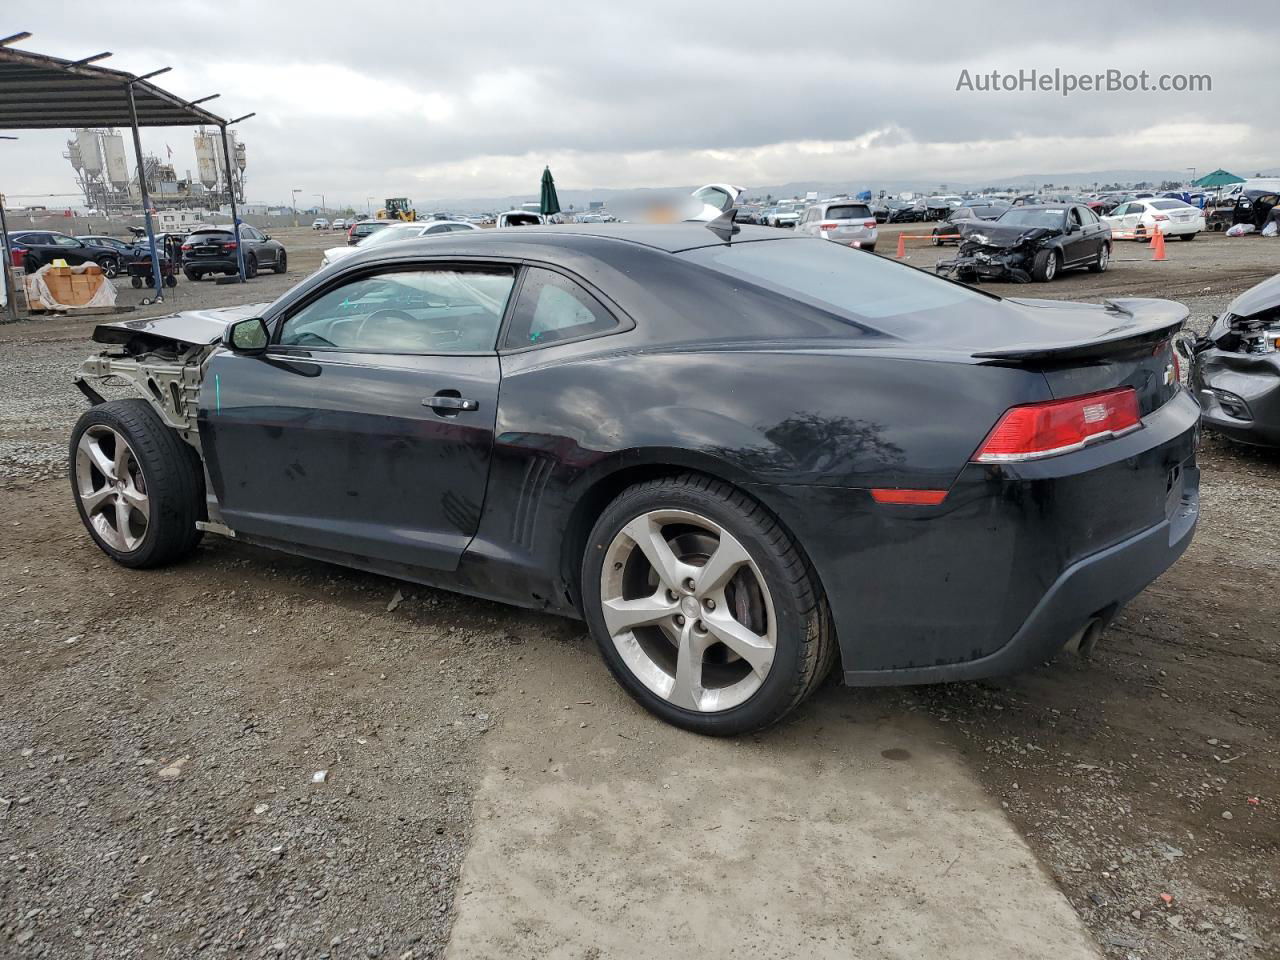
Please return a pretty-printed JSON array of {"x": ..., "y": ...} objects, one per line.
[{"x": 390, "y": 314}]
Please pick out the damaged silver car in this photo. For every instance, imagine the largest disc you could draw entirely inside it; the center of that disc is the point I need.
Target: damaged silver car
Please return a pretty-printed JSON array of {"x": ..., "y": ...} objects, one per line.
[
  {"x": 1235, "y": 368},
  {"x": 1030, "y": 243}
]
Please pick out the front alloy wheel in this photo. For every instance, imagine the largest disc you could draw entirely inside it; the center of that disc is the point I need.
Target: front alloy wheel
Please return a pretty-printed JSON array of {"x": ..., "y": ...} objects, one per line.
[
  {"x": 688, "y": 610},
  {"x": 112, "y": 488}
]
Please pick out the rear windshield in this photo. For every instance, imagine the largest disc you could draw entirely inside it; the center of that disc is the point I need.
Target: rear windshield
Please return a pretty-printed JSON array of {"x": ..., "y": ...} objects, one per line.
[
  {"x": 1032, "y": 218},
  {"x": 849, "y": 211},
  {"x": 368, "y": 227},
  {"x": 849, "y": 283},
  {"x": 1169, "y": 204},
  {"x": 210, "y": 236}
]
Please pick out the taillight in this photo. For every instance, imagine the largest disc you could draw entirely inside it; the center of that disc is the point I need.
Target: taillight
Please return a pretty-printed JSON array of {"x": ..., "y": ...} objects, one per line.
[
  {"x": 869, "y": 223},
  {"x": 230, "y": 245},
  {"x": 1159, "y": 216},
  {"x": 828, "y": 226},
  {"x": 186, "y": 246},
  {"x": 1047, "y": 429}
]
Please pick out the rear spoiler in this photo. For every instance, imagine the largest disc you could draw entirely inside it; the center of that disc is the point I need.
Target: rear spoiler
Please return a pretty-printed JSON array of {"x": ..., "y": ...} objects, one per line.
[{"x": 1139, "y": 323}]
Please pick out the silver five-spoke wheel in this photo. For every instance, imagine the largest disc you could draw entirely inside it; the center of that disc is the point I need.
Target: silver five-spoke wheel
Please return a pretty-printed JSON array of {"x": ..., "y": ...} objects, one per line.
[
  {"x": 111, "y": 488},
  {"x": 688, "y": 610}
]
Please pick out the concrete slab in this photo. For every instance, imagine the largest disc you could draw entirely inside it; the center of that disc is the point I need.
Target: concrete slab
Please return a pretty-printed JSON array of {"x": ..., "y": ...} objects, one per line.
[{"x": 850, "y": 832}]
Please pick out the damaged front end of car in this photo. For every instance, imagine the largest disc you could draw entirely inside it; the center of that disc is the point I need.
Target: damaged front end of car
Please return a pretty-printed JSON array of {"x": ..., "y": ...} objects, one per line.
[
  {"x": 988, "y": 251},
  {"x": 163, "y": 360},
  {"x": 1235, "y": 368}
]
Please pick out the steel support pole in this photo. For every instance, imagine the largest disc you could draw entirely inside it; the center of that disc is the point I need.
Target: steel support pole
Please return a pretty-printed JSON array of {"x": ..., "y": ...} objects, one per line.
[
  {"x": 231, "y": 196},
  {"x": 146, "y": 199},
  {"x": 10, "y": 288}
]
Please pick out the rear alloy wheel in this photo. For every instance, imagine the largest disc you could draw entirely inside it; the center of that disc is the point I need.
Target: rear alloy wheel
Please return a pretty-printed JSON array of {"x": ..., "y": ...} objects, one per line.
[
  {"x": 282, "y": 262},
  {"x": 1045, "y": 267},
  {"x": 703, "y": 608},
  {"x": 1104, "y": 260},
  {"x": 110, "y": 267},
  {"x": 138, "y": 487},
  {"x": 250, "y": 267},
  {"x": 192, "y": 275}
]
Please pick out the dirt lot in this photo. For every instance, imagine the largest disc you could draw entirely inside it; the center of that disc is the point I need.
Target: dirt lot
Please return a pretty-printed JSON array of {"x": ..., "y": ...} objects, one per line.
[{"x": 160, "y": 732}]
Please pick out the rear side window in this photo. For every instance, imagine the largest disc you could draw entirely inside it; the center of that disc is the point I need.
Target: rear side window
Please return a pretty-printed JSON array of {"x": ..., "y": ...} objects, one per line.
[
  {"x": 553, "y": 308},
  {"x": 849, "y": 211},
  {"x": 849, "y": 283}
]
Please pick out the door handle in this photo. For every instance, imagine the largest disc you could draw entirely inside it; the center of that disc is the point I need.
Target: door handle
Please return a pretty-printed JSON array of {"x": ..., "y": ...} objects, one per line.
[{"x": 450, "y": 403}]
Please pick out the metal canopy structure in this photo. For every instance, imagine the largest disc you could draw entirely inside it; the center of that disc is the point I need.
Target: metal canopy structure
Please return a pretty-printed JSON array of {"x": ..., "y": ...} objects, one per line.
[{"x": 40, "y": 92}]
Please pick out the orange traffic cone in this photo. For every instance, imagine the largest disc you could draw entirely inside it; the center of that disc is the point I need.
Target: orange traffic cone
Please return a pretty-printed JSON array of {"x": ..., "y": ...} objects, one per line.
[
  {"x": 902, "y": 246},
  {"x": 1157, "y": 244}
]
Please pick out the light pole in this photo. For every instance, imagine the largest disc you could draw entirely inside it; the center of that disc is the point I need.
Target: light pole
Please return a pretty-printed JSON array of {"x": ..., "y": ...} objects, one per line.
[
  {"x": 231, "y": 194},
  {"x": 295, "y": 191},
  {"x": 368, "y": 206},
  {"x": 323, "y": 205},
  {"x": 1193, "y": 176}
]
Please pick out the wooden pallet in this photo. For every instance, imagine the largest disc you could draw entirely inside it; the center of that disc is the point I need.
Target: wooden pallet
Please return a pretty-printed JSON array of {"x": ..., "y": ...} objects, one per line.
[{"x": 80, "y": 311}]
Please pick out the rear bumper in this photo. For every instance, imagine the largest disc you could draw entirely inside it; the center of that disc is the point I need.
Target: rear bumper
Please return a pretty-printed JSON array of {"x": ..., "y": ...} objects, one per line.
[
  {"x": 1093, "y": 587},
  {"x": 1013, "y": 563},
  {"x": 222, "y": 264}
]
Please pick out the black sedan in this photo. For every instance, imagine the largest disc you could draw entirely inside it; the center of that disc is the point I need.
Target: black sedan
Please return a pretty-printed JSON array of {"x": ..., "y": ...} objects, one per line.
[
  {"x": 42, "y": 247},
  {"x": 1031, "y": 243},
  {"x": 741, "y": 456},
  {"x": 1235, "y": 368},
  {"x": 213, "y": 250}
]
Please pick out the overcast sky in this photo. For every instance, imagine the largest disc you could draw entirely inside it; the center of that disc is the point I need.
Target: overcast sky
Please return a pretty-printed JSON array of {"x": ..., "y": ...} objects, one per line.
[{"x": 437, "y": 100}]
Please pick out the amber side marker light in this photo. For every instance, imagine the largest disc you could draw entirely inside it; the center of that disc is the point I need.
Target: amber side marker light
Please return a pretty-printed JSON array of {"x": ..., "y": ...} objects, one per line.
[{"x": 918, "y": 498}]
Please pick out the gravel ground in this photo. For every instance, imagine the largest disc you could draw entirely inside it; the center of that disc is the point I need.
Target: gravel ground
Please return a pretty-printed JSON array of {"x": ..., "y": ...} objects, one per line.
[{"x": 160, "y": 732}]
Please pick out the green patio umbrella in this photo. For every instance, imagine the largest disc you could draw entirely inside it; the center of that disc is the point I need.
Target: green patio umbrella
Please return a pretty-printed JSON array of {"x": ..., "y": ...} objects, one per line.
[
  {"x": 549, "y": 203},
  {"x": 1219, "y": 178}
]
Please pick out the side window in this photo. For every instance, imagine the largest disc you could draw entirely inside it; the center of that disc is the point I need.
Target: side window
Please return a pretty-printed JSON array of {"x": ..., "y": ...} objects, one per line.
[
  {"x": 64, "y": 241},
  {"x": 249, "y": 233},
  {"x": 440, "y": 228},
  {"x": 1088, "y": 215},
  {"x": 435, "y": 311},
  {"x": 1074, "y": 217},
  {"x": 552, "y": 308}
]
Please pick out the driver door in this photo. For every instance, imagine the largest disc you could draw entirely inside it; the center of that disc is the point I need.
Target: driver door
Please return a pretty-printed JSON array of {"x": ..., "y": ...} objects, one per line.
[{"x": 366, "y": 428}]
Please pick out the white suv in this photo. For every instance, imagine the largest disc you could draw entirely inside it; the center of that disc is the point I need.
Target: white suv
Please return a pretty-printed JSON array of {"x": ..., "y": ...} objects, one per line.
[{"x": 850, "y": 222}]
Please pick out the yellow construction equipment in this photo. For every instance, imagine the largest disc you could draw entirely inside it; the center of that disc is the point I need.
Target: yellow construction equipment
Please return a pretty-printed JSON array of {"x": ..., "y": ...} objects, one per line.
[{"x": 397, "y": 208}]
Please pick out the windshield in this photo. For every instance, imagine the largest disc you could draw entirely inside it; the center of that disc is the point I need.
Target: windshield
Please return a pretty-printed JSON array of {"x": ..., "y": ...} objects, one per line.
[
  {"x": 850, "y": 283},
  {"x": 1023, "y": 217},
  {"x": 405, "y": 232}
]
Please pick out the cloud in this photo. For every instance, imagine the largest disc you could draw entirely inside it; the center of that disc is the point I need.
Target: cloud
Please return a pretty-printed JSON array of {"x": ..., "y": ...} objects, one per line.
[{"x": 358, "y": 100}]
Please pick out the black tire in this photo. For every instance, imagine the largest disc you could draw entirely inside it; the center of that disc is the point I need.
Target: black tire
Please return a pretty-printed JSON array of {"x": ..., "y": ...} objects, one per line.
[
  {"x": 805, "y": 644},
  {"x": 967, "y": 276},
  {"x": 1046, "y": 266},
  {"x": 869, "y": 247},
  {"x": 1103, "y": 261},
  {"x": 1188, "y": 236},
  {"x": 190, "y": 274},
  {"x": 135, "y": 282},
  {"x": 170, "y": 280},
  {"x": 282, "y": 262},
  {"x": 250, "y": 267},
  {"x": 173, "y": 478},
  {"x": 30, "y": 264},
  {"x": 110, "y": 267}
]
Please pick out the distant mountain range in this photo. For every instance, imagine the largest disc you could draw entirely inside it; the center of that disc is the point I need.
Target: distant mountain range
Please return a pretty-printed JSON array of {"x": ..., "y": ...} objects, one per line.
[{"x": 581, "y": 199}]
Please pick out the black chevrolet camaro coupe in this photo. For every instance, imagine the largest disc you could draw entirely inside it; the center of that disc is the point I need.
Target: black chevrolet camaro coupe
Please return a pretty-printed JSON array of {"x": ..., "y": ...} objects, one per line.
[{"x": 739, "y": 456}]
